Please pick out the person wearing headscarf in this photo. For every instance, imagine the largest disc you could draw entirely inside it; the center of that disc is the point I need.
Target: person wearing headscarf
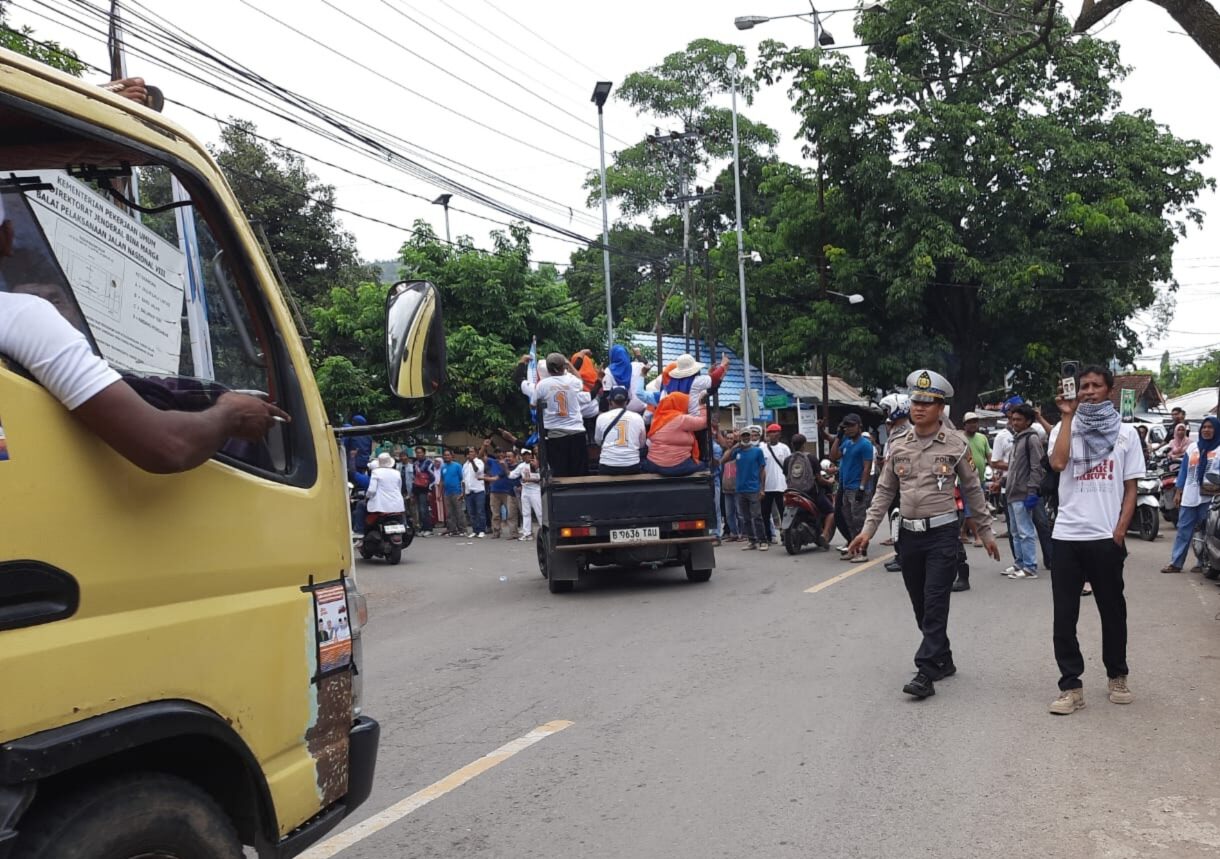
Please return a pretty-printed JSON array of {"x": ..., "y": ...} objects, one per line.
[
  {"x": 1100, "y": 461},
  {"x": 1176, "y": 447},
  {"x": 671, "y": 438},
  {"x": 1192, "y": 507}
]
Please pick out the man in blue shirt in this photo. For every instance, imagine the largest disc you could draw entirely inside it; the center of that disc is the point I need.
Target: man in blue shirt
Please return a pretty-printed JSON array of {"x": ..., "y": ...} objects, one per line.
[
  {"x": 854, "y": 453},
  {"x": 451, "y": 482},
  {"x": 505, "y": 508},
  {"x": 751, "y": 478}
]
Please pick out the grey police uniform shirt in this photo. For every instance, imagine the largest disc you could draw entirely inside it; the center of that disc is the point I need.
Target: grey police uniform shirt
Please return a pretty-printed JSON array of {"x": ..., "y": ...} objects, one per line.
[{"x": 924, "y": 469}]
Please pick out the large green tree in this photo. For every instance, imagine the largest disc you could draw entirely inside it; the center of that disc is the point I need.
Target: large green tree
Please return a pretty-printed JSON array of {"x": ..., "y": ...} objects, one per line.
[
  {"x": 1003, "y": 216},
  {"x": 295, "y": 209},
  {"x": 22, "y": 40}
]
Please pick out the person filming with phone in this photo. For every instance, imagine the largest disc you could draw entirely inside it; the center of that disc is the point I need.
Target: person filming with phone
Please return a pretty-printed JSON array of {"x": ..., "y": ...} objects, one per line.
[{"x": 1099, "y": 460}]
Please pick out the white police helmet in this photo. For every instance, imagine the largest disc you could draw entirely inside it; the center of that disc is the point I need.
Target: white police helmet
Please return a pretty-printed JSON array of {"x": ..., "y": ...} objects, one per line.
[{"x": 896, "y": 406}]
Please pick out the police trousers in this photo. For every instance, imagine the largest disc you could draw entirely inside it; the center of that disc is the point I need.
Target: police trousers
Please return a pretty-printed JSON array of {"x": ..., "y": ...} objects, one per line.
[{"x": 929, "y": 566}]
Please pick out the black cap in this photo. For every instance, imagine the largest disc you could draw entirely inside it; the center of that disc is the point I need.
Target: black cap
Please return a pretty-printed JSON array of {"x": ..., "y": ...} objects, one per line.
[
  {"x": 618, "y": 394},
  {"x": 852, "y": 418}
]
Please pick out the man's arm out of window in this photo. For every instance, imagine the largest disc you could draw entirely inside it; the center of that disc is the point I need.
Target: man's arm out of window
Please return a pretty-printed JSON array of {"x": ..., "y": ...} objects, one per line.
[{"x": 166, "y": 442}]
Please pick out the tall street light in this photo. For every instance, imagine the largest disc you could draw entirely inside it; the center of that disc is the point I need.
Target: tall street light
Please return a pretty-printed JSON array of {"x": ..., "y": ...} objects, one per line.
[
  {"x": 854, "y": 298},
  {"x": 601, "y": 92},
  {"x": 741, "y": 256},
  {"x": 443, "y": 200}
]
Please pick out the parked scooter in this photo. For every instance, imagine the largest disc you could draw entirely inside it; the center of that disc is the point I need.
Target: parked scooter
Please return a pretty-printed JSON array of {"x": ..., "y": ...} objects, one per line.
[
  {"x": 802, "y": 522},
  {"x": 1147, "y": 518},
  {"x": 1167, "y": 473},
  {"x": 385, "y": 536},
  {"x": 1206, "y": 540}
]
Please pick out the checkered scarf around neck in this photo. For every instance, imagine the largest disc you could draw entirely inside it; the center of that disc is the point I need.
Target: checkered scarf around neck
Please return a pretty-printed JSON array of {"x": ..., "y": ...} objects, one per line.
[{"x": 1096, "y": 425}]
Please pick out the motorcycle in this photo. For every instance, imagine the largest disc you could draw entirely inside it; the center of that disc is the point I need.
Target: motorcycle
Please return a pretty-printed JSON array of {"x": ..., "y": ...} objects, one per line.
[
  {"x": 1167, "y": 473},
  {"x": 385, "y": 536},
  {"x": 802, "y": 522},
  {"x": 1206, "y": 540},
  {"x": 1147, "y": 518}
]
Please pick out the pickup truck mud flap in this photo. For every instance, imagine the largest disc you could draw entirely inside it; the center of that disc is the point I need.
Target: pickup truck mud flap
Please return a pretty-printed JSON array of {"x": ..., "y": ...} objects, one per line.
[
  {"x": 564, "y": 566},
  {"x": 702, "y": 556}
]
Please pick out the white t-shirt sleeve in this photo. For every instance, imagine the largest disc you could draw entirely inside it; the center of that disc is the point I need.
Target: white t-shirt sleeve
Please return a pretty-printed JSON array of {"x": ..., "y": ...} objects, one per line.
[
  {"x": 1133, "y": 454},
  {"x": 36, "y": 336}
]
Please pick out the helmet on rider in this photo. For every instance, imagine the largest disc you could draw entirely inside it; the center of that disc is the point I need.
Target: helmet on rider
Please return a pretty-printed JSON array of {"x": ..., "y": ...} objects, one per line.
[{"x": 896, "y": 407}]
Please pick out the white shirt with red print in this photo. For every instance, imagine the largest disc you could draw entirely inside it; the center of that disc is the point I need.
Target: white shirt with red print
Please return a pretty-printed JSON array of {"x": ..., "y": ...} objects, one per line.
[{"x": 1090, "y": 505}]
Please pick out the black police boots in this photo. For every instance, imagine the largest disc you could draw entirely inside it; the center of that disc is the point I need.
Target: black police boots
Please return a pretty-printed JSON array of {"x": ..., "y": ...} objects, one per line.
[{"x": 920, "y": 686}]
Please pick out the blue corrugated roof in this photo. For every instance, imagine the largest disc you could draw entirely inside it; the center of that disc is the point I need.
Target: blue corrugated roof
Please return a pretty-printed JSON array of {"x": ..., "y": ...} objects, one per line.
[{"x": 673, "y": 345}]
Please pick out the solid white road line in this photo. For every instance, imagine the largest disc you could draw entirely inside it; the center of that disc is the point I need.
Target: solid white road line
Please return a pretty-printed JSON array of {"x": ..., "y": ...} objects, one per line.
[
  {"x": 855, "y": 568},
  {"x": 420, "y": 798}
]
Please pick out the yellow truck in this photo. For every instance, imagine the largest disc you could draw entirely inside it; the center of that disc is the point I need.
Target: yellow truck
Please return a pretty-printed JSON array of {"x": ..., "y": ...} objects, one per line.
[{"x": 180, "y": 654}]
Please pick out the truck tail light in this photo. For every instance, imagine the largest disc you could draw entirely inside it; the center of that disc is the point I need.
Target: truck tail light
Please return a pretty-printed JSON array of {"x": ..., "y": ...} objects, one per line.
[
  {"x": 575, "y": 532},
  {"x": 690, "y": 525}
]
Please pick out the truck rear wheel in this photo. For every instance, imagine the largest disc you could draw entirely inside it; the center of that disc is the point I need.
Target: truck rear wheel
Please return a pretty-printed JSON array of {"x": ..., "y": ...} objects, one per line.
[
  {"x": 130, "y": 817},
  {"x": 540, "y": 548},
  {"x": 693, "y": 575}
]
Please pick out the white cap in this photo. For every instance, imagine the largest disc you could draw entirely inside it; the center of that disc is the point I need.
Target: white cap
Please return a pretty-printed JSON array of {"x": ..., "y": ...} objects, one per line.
[{"x": 969, "y": 416}]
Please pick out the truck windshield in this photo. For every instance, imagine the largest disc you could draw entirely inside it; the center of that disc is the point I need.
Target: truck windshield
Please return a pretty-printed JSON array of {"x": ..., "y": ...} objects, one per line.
[
  {"x": 151, "y": 271},
  {"x": 155, "y": 292}
]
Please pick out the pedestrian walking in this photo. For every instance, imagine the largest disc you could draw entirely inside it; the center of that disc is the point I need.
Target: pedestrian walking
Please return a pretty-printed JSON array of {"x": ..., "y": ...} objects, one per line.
[
  {"x": 1099, "y": 461},
  {"x": 922, "y": 464}
]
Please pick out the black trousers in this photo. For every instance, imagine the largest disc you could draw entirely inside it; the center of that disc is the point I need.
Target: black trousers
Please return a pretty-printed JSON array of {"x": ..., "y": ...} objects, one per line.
[
  {"x": 1099, "y": 562},
  {"x": 567, "y": 455},
  {"x": 929, "y": 566},
  {"x": 771, "y": 501},
  {"x": 841, "y": 518}
]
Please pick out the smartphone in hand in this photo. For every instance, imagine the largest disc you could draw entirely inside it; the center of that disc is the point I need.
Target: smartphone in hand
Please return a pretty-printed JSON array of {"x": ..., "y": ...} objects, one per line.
[{"x": 1067, "y": 387}]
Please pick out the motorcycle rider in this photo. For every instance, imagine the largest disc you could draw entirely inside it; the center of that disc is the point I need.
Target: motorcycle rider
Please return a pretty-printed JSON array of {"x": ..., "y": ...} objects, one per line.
[
  {"x": 809, "y": 484},
  {"x": 385, "y": 488}
]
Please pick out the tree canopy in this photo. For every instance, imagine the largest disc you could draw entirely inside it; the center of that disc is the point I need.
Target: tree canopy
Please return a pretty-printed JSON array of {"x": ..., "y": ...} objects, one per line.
[{"x": 1001, "y": 219}]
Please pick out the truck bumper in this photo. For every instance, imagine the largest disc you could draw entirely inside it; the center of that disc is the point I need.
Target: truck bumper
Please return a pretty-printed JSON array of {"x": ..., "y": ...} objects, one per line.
[{"x": 362, "y": 762}]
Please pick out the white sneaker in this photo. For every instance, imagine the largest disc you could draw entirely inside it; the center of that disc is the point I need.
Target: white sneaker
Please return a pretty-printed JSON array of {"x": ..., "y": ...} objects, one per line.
[
  {"x": 1008, "y": 571},
  {"x": 481, "y": 534},
  {"x": 1024, "y": 574}
]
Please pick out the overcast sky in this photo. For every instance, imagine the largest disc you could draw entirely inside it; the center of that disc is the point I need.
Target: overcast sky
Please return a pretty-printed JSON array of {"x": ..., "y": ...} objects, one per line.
[{"x": 508, "y": 96}]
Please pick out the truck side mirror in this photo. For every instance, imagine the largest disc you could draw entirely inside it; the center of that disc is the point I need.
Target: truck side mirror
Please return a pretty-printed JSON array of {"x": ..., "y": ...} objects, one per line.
[{"x": 415, "y": 340}]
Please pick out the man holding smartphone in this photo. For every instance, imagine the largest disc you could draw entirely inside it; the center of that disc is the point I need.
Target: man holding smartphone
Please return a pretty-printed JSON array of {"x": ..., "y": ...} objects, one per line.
[{"x": 1100, "y": 460}]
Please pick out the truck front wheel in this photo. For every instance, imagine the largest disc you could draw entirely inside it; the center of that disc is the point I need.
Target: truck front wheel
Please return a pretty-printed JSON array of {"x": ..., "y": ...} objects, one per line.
[{"x": 133, "y": 816}]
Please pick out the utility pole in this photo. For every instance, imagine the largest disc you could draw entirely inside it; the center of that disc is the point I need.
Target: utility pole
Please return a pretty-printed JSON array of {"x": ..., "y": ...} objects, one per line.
[
  {"x": 677, "y": 149},
  {"x": 825, "y": 297}
]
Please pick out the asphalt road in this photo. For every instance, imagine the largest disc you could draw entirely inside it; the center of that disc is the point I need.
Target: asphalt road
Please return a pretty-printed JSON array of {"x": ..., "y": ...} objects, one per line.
[{"x": 747, "y": 717}]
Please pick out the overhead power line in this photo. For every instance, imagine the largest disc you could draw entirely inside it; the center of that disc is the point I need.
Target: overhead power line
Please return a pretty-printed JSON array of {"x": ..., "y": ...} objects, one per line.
[
  {"x": 541, "y": 38},
  {"x": 495, "y": 71},
  {"x": 420, "y": 95}
]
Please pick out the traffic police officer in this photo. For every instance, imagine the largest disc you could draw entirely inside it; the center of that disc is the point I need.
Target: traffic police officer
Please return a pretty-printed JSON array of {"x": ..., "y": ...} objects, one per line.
[{"x": 923, "y": 464}]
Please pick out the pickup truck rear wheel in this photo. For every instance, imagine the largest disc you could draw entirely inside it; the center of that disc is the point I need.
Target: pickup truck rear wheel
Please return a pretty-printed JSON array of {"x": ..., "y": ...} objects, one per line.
[
  {"x": 693, "y": 575},
  {"x": 540, "y": 548},
  {"x": 130, "y": 817}
]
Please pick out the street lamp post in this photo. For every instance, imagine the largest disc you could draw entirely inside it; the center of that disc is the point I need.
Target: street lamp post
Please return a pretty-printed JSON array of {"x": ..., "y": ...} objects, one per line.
[
  {"x": 741, "y": 256},
  {"x": 443, "y": 201},
  {"x": 601, "y": 92},
  {"x": 854, "y": 298}
]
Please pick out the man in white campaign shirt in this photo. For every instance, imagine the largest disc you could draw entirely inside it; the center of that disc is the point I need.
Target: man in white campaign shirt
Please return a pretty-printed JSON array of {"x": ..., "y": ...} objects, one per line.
[
  {"x": 621, "y": 434},
  {"x": 564, "y": 396},
  {"x": 1099, "y": 460}
]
